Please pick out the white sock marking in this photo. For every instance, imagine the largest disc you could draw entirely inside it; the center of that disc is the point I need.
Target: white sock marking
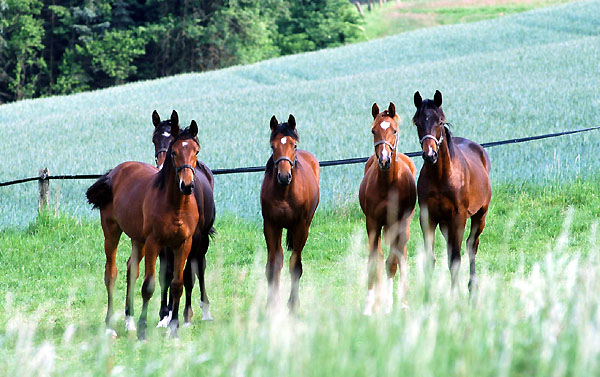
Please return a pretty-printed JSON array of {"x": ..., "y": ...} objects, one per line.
[
  {"x": 165, "y": 321},
  {"x": 129, "y": 323},
  {"x": 206, "y": 316},
  {"x": 369, "y": 301}
]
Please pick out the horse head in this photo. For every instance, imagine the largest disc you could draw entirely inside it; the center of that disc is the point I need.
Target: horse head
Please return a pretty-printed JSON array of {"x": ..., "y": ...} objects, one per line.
[
  {"x": 284, "y": 141},
  {"x": 163, "y": 136},
  {"x": 431, "y": 125},
  {"x": 182, "y": 154},
  {"x": 385, "y": 134}
]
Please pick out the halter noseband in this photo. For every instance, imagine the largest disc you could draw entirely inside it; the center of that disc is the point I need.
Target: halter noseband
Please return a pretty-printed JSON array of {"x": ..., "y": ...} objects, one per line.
[
  {"x": 437, "y": 141},
  {"x": 186, "y": 166},
  {"x": 285, "y": 158},
  {"x": 392, "y": 147}
]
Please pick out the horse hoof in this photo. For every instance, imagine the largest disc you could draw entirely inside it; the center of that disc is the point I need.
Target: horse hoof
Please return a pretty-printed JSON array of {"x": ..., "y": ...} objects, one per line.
[
  {"x": 130, "y": 323},
  {"x": 111, "y": 333},
  {"x": 173, "y": 332},
  {"x": 207, "y": 317},
  {"x": 186, "y": 324},
  {"x": 368, "y": 312}
]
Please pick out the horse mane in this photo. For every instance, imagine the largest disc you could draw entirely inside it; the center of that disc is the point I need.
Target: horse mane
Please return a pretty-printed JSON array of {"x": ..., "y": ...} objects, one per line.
[
  {"x": 163, "y": 175},
  {"x": 428, "y": 104}
]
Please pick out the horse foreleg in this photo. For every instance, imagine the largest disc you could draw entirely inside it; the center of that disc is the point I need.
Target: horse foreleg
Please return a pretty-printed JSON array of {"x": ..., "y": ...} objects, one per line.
[
  {"x": 300, "y": 235},
  {"x": 428, "y": 228},
  {"x": 152, "y": 249},
  {"x": 165, "y": 277},
  {"x": 112, "y": 234},
  {"x": 453, "y": 233},
  {"x": 477, "y": 225},
  {"x": 374, "y": 266},
  {"x": 179, "y": 258},
  {"x": 274, "y": 262},
  {"x": 397, "y": 259},
  {"x": 189, "y": 279},
  {"x": 133, "y": 272}
]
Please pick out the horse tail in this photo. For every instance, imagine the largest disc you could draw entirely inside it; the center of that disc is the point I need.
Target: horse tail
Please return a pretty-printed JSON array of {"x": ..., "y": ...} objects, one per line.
[
  {"x": 289, "y": 240},
  {"x": 100, "y": 193}
]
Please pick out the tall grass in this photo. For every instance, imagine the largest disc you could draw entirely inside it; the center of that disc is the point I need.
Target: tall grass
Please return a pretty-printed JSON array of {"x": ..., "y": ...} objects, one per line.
[
  {"x": 535, "y": 313},
  {"x": 515, "y": 76}
]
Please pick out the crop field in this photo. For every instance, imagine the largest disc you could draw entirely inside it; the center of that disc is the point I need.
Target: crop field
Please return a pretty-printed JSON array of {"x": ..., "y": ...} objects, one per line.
[{"x": 536, "y": 312}]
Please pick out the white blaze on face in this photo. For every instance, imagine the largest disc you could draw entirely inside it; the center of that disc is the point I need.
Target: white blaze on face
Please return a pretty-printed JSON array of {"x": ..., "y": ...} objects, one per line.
[
  {"x": 184, "y": 143},
  {"x": 384, "y": 152},
  {"x": 384, "y": 125},
  {"x": 283, "y": 140},
  {"x": 166, "y": 134}
]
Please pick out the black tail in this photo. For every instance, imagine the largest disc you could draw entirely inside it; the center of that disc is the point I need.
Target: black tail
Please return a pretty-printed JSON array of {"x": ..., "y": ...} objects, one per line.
[
  {"x": 100, "y": 193},
  {"x": 289, "y": 241}
]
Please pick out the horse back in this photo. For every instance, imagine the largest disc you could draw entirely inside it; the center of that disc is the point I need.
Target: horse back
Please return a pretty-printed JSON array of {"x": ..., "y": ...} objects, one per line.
[
  {"x": 307, "y": 159},
  {"x": 478, "y": 167}
]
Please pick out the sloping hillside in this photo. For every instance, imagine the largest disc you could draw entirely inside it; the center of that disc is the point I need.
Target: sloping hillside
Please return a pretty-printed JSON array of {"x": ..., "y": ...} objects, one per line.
[{"x": 515, "y": 76}]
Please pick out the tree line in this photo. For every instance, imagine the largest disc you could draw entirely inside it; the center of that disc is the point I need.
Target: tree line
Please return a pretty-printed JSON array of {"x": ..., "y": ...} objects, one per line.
[{"x": 50, "y": 47}]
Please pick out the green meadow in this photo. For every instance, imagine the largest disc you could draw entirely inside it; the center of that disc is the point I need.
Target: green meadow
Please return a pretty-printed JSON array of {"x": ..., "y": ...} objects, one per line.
[{"x": 536, "y": 311}]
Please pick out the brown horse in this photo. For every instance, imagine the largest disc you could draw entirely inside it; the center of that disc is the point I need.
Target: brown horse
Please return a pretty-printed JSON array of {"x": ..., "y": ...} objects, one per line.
[
  {"x": 387, "y": 196},
  {"x": 155, "y": 210},
  {"x": 453, "y": 185},
  {"x": 289, "y": 197},
  {"x": 196, "y": 263}
]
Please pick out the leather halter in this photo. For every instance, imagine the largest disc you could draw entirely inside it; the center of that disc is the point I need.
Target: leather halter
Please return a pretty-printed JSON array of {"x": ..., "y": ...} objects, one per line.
[
  {"x": 392, "y": 147},
  {"x": 437, "y": 141},
  {"x": 285, "y": 158}
]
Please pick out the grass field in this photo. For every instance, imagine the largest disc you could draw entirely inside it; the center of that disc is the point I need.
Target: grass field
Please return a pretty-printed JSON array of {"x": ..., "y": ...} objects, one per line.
[
  {"x": 536, "y": 312},
  {"x": 397, "y": 17}
]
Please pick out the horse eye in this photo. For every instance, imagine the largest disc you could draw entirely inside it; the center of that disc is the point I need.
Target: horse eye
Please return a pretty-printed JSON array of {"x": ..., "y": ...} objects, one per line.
[
  {"x": 395, "y": 132},
  {"x": 295, "y": 146}
]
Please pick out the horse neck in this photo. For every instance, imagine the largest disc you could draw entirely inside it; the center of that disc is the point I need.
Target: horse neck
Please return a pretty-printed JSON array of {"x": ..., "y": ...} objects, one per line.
[
  {"x": 386, "y": 178},
  {"x": 173, "y": 195},
  {"x": 443, "y": 167}
]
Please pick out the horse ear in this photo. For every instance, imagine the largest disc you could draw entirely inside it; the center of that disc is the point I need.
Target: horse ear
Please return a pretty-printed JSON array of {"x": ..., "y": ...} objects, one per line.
[
  {"x": 374, "y": 110},
  {"x": 292, "y": 122},
  {"x": 437, "y": 98},
  {"x": 392, "y": 110},
  {"x": 174, "y": 119},
  {"x": 418, "y": 99},
  {"x": 194, "y": 128},
  {"x": 155, "y": 119},
  {"x": 274, "y": 123}
]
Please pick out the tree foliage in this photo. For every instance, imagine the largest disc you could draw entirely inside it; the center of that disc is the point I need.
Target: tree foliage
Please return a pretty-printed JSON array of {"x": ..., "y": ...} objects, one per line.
[{"x": 65, "y": 46}]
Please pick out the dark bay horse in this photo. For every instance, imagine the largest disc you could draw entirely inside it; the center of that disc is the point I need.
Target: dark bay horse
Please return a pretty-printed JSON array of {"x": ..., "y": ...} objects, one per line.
[
  {"x": 387, "y": 196},
  {"x": 289, "y": 197},
  {"x": 453, "y": 185},
  {"x": 156, "y": 210},
  {"x": 196, "y": 262}
]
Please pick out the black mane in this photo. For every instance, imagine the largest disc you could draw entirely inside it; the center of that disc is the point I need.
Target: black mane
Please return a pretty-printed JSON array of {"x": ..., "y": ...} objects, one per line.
[{"x": 163, "y": 175}]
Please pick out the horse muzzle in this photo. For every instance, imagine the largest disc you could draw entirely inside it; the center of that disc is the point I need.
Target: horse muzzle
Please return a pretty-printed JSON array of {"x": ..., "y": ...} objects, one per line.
[
  {"x": 284, "y": 179},
  {"x": 384, "y": 163},
  {"x": 186, "y": 189},
  {"x": 430, "y": 157}
]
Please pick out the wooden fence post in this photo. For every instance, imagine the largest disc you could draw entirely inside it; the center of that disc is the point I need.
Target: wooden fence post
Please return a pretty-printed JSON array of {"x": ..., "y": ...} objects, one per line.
[{"x": 44, "y": 186}]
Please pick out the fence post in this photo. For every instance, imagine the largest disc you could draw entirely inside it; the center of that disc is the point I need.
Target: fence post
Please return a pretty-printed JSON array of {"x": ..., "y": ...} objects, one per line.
[{"x": 44, "y": 188}]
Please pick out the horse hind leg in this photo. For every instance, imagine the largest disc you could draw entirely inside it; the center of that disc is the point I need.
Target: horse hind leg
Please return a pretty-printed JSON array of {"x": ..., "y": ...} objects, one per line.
[
  {"x": 477, "y": 225},
  {"x": 204, "y": 303},
  {"x": 133, "y": 272},
  {"x": 112, "y": 234}
]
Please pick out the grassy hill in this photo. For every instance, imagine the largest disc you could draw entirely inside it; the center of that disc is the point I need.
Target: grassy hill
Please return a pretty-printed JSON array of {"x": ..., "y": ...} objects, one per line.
[{"x": 515, "y": 76}]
